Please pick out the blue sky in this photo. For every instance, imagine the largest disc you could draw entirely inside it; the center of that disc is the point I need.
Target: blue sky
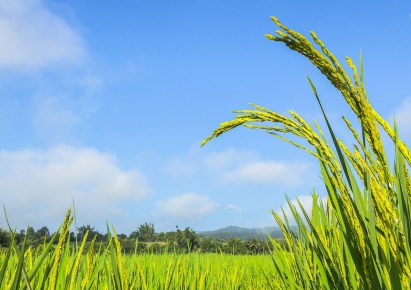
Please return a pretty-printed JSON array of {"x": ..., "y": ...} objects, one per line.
[{"x": 106, "y": 103}]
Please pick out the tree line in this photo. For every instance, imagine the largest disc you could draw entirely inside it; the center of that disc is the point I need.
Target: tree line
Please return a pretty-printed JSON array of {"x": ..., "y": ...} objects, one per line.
[{"x": 145, "y": 240}]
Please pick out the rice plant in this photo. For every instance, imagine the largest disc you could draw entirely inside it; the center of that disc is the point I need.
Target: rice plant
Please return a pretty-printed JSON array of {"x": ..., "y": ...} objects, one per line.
[
  {"x": 360, "y": 238},
  {"x": 67, "y": 266}
]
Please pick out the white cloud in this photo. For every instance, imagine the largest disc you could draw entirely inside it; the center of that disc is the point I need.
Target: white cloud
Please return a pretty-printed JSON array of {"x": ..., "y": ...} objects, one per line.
[
  {"x": 228, "y": 158},
  {"x": 403, "y": 116},
  {"x": 305, "y": 200},
  {"x": 90, "y": 83},
  {"x": 234, "y": 207},
  {"x": 179, "y": 167},
  {"x": 56, "y": 116},
  {"x": 278, "y": 172},
  {"x": 186, "y": 206},
  {"x": 38, "y": 186},
  {"x": 236, "y": 166},
  {"x": 33, "y": 37},
  {"x": 55, "y": 111}
]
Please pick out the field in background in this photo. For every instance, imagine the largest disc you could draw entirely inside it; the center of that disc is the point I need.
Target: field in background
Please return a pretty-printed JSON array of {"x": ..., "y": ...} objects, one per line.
[{"x": 68, "y": 267}]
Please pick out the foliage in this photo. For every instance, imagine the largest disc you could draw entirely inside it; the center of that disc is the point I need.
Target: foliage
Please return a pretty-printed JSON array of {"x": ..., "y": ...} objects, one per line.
[
  {"x": 144, "y": 233},
  {"x": 105, "y": 266},
  {"x": 361, "y": 237},
  {"x": 4, "y": 238},
  {"x": 179, "y": 241},
  {"x": 90, "y": 231}
]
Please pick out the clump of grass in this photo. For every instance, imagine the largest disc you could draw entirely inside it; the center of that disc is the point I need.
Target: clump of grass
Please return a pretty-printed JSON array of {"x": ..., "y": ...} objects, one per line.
[{"x": 361, "y": 237}]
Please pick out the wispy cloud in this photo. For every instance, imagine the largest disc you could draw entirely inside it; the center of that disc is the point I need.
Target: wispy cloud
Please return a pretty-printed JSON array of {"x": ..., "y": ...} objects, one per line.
[
  {"x": 39, "y": 185},
  {"x": 33, "y": 37},
  {"x": 228, "y": 158},
  {"x": 243, "y": 166},
  {"x": 306, "y": 202},
  {"x": 186, "y": 206},
  {"x": 178, "y": 167},
  {"x": 34, "y": 40},
  {"x": 278, "y": 172},
  {"x": 55, "y": 117},
  {"x": 233, "y": 207},
  {"x": 403, "y": 116},
  {"x": 56, "y": 111}
]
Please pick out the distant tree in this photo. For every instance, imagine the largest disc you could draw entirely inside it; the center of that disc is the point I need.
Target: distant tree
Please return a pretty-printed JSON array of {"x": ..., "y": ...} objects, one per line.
[
  {"x": 161, "y": 237},
  {"x": 133, "y": 235},
  {"x": 72, "y": 237},
  {"x": 4, "y": 238},
  {"x": 122, "y": 236},
  {"x": 57, "y": 237},
  {"x": 236, "y": 246},
  {"x": 91, "y": 232},
  {"x": 192, "y": 240},
  {"x": 185, "y": 241},
  {"x": 253, "y": 246},
  {"x": 128, "y": 246},
  {"x": 207, "y": 244},
  {"x": 43, "y": 232},
  {"x": 141, "y": 248},
  {"x": 146, "y": 232},
  {"x": 31, "y": 233},
  {"x": 169, "y": 237}
]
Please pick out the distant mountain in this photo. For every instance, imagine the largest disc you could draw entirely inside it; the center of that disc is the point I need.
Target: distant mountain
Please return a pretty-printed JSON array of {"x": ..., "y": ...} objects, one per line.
[{"x": 244, "y": 233}]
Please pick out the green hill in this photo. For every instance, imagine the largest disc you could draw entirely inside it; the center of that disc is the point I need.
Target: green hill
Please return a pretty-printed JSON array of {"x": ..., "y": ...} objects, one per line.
[{"x": 244, "y": 233}]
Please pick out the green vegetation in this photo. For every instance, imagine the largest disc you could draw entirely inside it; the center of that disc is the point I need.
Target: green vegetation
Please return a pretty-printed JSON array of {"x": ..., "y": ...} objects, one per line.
[
  {"x": 361, "y": 237},
  {"x": 105, "y": 266},
  {"x": 145, "y": 240}
]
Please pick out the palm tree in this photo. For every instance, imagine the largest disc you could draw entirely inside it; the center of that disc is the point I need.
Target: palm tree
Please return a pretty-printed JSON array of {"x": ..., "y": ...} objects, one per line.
[
  {"x": 253, "y": 245},
  {"x": 84, "y": 229},
  {"x": 146, "y": 232}
]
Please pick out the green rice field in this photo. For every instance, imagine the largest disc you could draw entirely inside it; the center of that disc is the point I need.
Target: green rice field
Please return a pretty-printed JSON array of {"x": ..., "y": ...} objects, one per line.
[
  {"x": 167, "y": 271},
  {"x": 67, "y": 266}
]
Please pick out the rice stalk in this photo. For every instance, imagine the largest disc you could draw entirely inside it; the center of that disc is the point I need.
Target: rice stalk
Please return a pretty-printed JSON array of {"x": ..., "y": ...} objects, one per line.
[{"x": 361, "y": 238}]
